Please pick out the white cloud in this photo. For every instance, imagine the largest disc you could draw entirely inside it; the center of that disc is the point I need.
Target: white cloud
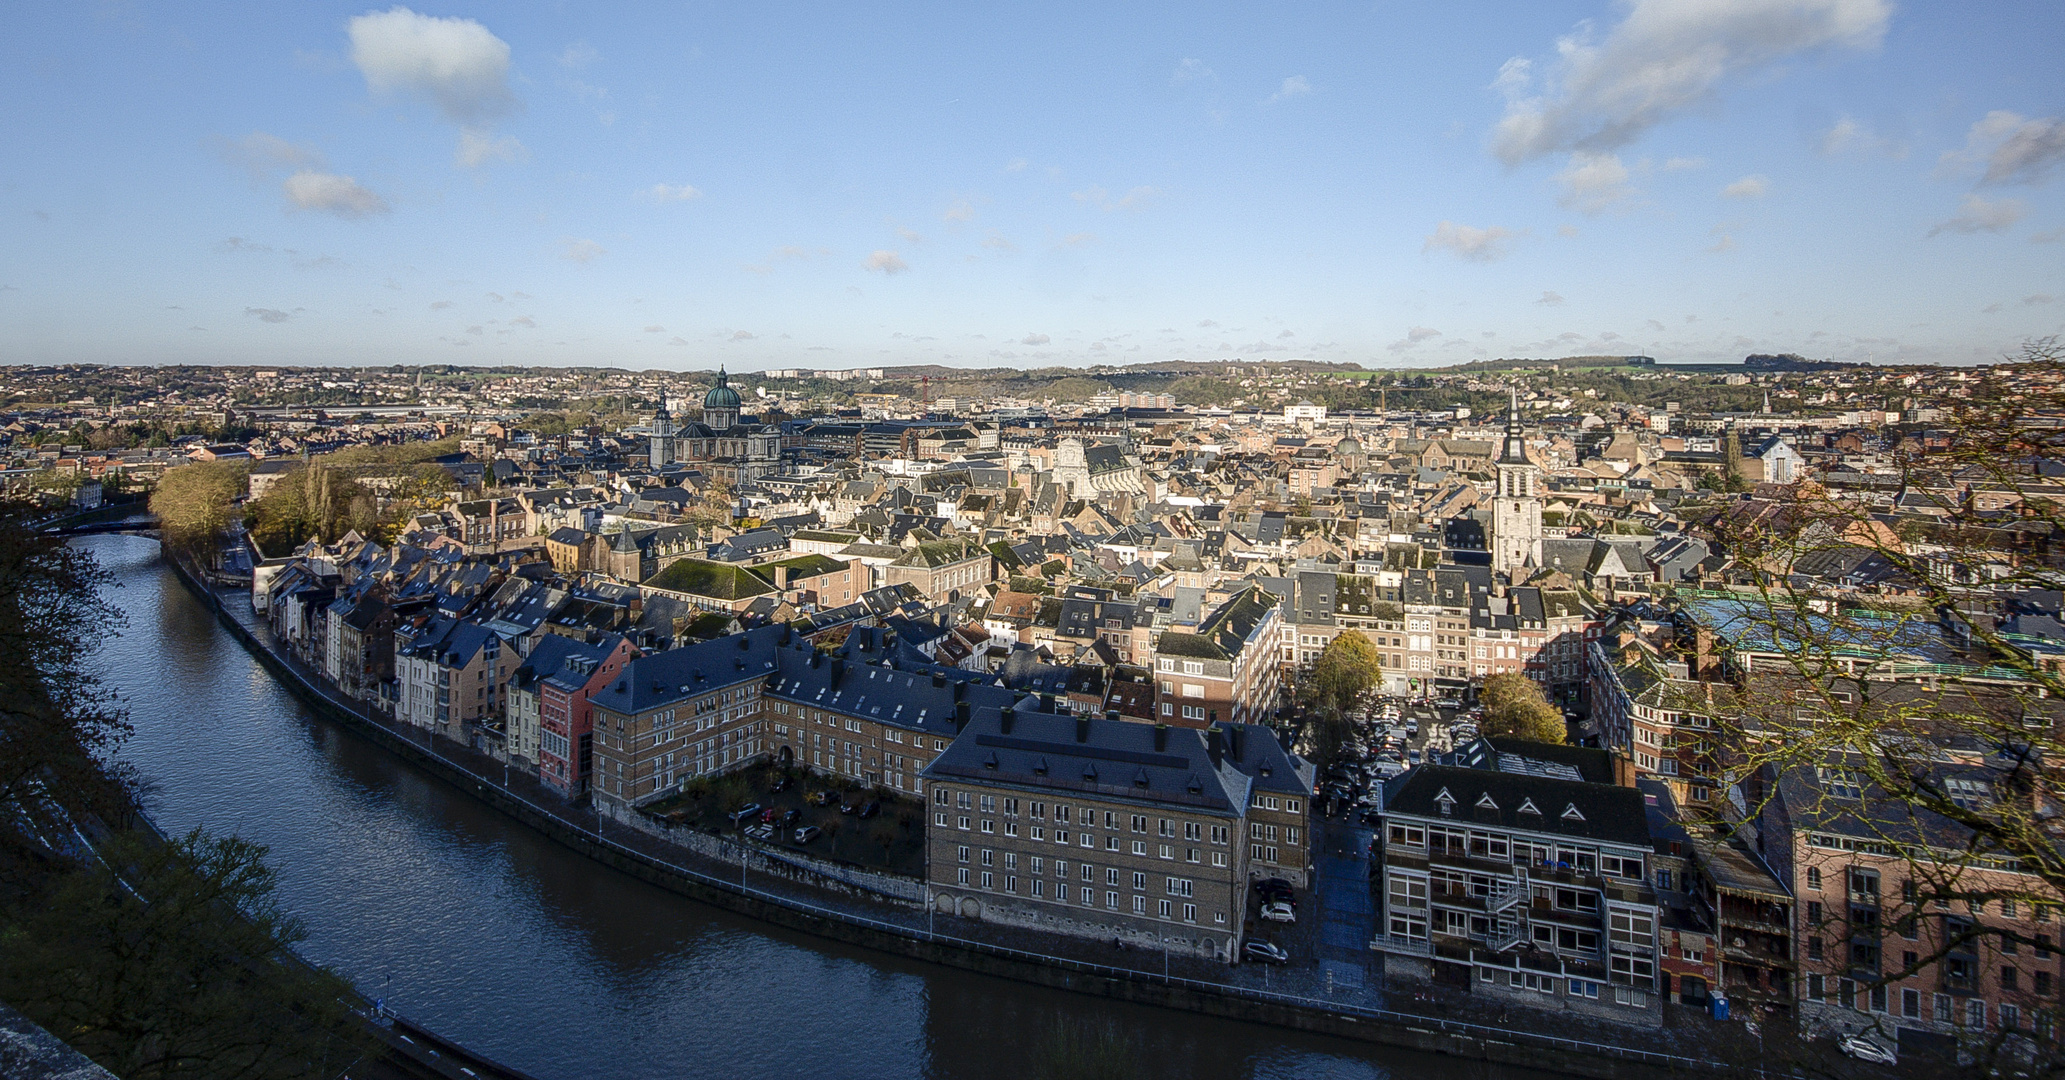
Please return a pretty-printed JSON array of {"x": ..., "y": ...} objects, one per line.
[
  {"x": 1295, "y": 86},
  {"x": 1566, "y": 230},
  {"x": 666, "y": 193},
  {"x": 524, "y": 320},
  {"x": 477, "y": 148},
  {"x": 996, "y": 241},
  {"x": 1414, "y": 337},
  {"x": 332, "y": 194},
  {"x": 1592, "y": 183},
  {"x": 266, "y": 314},
  {"x": 910, "y": 236},
  {"x": 1663, "y": 57},
  {"x": 456, "y": 63},
  {"x": 2053, "y": 236},
  {"x": 1469, "y": 242},
  {"x": 960, "y": 209},
  {"x": 578, "y": 55},
  {"x": 1550, "y": 299},
  {"x": 1076, "y": 240},
  {"x": 2015, "y": 150},
  {"x": 266, "y": 155},
  {"x": 888, "y": 262},
  {"x": 1981, "y": 215},
  {"x": 1684, "y": 164},
  {"x": 1192, "y": 70},
  {"x": 582, "y": 251},
  {"x": 1749, "y": 187},
  {"x": 1034, "y": 339},
  {"x": 655, "y": 329},
  {"x": 741, "y": 335},
  {"x": 1848, "y": 135}
]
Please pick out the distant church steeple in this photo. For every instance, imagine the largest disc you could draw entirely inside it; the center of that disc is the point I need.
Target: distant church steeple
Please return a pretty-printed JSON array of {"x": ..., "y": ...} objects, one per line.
[{"x": 1516, "y": 510}]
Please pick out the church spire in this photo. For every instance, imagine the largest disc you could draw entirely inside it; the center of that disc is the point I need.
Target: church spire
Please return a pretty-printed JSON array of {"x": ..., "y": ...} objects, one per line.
[{"x": 1514, "y": 452}]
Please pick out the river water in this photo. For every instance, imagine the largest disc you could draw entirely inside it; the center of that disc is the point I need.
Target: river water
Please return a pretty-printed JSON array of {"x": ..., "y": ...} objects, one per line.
[{"x": 494, "y": 936}]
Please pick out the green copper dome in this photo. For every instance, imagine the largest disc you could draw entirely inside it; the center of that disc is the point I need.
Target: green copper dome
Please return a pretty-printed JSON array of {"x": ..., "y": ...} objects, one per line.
[{"x": 721, "y": 396}]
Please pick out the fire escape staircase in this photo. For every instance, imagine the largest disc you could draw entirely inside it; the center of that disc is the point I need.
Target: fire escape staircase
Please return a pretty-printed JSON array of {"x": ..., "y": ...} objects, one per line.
[{"x": 1510, "y": 899}]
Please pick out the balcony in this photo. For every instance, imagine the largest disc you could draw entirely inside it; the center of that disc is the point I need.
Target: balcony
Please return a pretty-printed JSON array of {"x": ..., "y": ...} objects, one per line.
[{"x": 1401, "y": 946}]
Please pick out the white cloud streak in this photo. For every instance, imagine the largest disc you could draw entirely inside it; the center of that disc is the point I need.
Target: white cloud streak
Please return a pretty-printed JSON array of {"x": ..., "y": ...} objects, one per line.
[
  {"x": 1295, "y": 86},
  {"x": 1469, "y": 242},
  {"x": 1665, "y": 56},
  {"x": 1749, "y": 187},
  {"x": 2016, "y": 150},
  {"x": 1594, "y": 183},
  {"x": 888, "y": 262},
  {"x": 1977, "y": 215},
  {"x": 666, "y": 193}
]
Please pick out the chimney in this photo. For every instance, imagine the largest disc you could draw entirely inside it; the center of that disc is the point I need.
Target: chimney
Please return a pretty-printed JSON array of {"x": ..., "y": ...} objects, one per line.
[
  {"x": 1083, "y": 728},
  {"x": 1237, "y": 742},
  {"x": 1215, "y": 744},
  {"x": 781, "y": 577},
  {"x": 1161, "y": 738},
  {"x": 1007, "y": 716},
  {"x": 838, "y": 669},
  {"x": 817, "y": 656},
  {"x": 960, "y": 716},
  {"x": 938, "y": 680},
  {"x": 1046, "y": 703}
]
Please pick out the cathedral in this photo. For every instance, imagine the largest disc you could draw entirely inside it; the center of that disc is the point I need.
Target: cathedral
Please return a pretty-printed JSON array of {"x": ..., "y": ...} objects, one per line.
[
  {"x": 722, "y": 435},
  {"x": 1516, "y": 509}
]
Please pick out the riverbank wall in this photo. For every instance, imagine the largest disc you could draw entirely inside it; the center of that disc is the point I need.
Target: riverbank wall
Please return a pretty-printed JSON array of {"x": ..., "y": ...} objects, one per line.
[{"x": 1575, "y": 1057}]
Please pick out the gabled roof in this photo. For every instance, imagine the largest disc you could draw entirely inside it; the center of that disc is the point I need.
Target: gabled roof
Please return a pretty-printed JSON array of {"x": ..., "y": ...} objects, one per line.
[{"x": 1571, "y": 808}]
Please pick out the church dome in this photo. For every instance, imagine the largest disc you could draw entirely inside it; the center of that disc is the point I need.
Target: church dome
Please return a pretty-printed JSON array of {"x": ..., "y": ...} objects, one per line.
[
  {"x": 721, "y": 396},
  {"x": 1348, "y": 446}
]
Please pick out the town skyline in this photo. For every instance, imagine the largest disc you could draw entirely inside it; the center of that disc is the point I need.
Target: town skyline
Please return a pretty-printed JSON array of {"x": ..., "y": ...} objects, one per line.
[{"x": 363, "y": 186}]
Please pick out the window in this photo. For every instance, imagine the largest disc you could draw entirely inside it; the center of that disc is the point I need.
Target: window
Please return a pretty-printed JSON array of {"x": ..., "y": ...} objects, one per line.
[
  {"x": 989, "y": 858},
  {"x": 1911, "y": 1004},
  {"x": 1139, "y": 880},
  {"x": 963, "y": 853},
  {"x": 1813, "y": 877}
]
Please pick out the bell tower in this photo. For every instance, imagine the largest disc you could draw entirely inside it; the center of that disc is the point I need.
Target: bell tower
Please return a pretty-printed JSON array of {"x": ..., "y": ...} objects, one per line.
[{"x": 1516, "y": 510}]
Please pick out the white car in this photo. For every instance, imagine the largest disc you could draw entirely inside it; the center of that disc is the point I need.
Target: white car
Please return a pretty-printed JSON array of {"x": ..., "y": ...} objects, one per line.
[
  {"x": 1279, "y": 912},
  {"x": 1863, "y": 1049}
]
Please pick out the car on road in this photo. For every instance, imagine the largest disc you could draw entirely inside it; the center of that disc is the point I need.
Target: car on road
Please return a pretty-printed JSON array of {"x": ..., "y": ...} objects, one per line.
[
  {"x": 744, "y": 813},
  {"x": 768, "y": 815},
  {"x": 869, "y": 809},
  {"x": 1279, "y": 911},
  {"x": 1448, "y": 703},
  {"x": 807, "y": 833},
  {"x": 1863, "y": 1049},
  {"x": 781, "y": 783},
  {"x": 1413, "y": 756},
  {"x": 1265, "y": 952},
  {"x": 1412, "y": 728}
]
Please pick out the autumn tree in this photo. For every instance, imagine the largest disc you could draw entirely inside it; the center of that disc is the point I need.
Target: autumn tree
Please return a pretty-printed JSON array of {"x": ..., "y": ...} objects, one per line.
[
  {"x": 1346, "y": 669},
  {"x": 193, "y": 504},
  {"x": 1514, "y": 707}
]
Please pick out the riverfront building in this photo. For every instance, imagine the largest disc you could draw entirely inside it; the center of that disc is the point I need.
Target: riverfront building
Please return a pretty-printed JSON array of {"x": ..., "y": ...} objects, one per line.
[
  {"x": 1522, "y": 869},
  {"x": 1224, "y": 672},
  {"x": 1102, "y": 828}
]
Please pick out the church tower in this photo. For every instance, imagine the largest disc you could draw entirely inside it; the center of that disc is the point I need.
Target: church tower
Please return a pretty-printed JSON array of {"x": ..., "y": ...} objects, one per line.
[
  {"x": 660, "y": 451},
  {"x": 1516, "y": 511}
]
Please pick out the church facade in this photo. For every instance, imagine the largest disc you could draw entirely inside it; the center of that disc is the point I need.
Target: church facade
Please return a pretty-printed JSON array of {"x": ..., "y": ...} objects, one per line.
[{"x": 721, "y": 435}]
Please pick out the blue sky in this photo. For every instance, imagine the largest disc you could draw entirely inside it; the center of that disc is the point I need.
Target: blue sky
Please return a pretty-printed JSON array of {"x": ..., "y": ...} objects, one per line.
[{"x": 777, "y": 185}]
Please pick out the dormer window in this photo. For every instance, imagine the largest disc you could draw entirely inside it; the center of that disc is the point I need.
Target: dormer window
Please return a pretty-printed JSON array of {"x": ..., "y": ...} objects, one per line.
[{"x": 1570, "y": 813}]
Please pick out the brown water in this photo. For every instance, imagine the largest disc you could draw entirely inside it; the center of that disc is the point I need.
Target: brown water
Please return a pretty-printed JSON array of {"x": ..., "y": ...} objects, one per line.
[{"x": 492, "y": 935}]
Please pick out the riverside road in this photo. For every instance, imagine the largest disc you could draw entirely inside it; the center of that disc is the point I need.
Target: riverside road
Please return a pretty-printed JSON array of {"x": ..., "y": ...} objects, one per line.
[{"x": 533, "y": 955}]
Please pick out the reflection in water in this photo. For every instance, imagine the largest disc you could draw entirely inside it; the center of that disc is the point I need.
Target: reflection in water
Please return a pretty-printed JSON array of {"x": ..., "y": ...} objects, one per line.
[{"x": 495, "y": 936}]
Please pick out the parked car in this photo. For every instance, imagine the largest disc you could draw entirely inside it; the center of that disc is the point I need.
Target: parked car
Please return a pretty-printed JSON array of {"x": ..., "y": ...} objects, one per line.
[
  {"x": 1863, "y": 1049},
  {"x": 821, "y": 798},
  {"x": 744, "y": 813},
  {"x": 1279, "y": 911},
  {"x": 1265, "y": 952},
  {"x": 869, "y": 809},
  {"x": 788, "y": 817},
  {"x": 781, "y": 783},
  {"x": 768, "y": 815},
  {"x": 1413, "y": 756},
  {"x": 807, "y": 833}
]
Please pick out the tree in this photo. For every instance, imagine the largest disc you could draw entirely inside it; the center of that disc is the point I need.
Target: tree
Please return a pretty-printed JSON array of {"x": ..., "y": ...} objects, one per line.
[
  {"x": 1514, "y": 707},
  {"x": 192, "y": 504},
  {"x": 1909, "y": 723},
  {"x": 179, "y": 964},
  {"x": 56, "y": 720},
  {"x": 1345, "y": 670}
]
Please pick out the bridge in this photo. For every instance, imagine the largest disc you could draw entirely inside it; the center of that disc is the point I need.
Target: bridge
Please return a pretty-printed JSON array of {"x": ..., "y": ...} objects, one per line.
[{"x": 146, "y": 525}]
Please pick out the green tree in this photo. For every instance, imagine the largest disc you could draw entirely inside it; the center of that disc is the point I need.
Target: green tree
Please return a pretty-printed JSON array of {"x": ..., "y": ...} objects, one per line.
[
  {"x": 192, "y": 503},
  {"x": 1514, "y": 707},
  {"x": 1347, "y": 668},
  {"x": 179, "y": 964}
]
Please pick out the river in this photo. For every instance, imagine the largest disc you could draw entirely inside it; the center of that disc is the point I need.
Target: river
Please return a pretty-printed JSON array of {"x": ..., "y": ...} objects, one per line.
[{"x": 494, "y": 936}]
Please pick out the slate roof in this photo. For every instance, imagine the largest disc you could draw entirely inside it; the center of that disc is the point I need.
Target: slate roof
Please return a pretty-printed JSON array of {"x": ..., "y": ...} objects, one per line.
[
  {"x": 1108, "y": 759},
  {"x": 1604, "y": 813}
]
